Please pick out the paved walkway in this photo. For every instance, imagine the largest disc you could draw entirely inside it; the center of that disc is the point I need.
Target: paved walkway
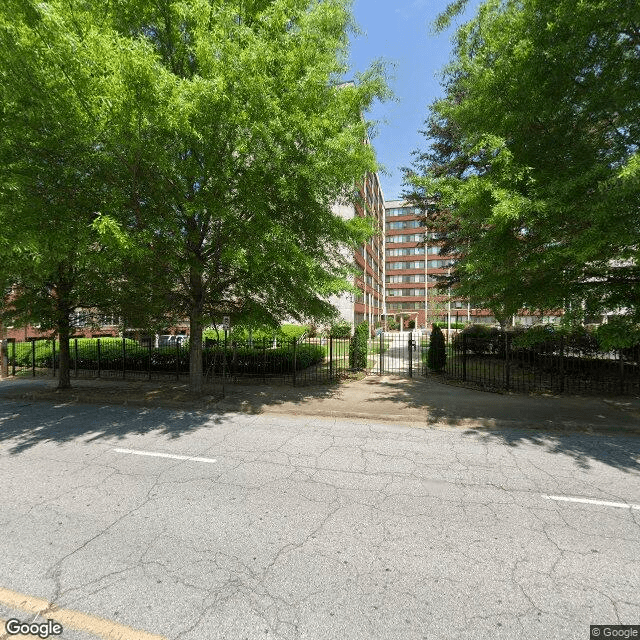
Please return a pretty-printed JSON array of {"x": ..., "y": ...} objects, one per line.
[{"x": 417, "y": 401}]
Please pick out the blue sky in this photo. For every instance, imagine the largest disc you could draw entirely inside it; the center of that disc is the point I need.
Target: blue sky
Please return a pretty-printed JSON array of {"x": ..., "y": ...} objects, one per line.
[{"x": 400, "y": 33}]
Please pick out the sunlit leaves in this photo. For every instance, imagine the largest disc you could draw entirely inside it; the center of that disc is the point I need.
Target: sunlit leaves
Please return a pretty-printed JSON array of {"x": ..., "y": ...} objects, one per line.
[{"x": 534, "y": 156}]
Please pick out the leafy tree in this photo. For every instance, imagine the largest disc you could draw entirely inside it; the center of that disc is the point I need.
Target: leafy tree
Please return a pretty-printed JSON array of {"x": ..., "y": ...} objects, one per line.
[
  {"x": 54, "y": 170},
  {"x": 214, "y": 138},
  {"x": 258, "y": 141},
  {"x": 534, "y": 166}
]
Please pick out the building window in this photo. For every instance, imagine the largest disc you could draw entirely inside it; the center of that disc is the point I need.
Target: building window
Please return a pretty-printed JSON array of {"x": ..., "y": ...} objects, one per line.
[
  {"x": 439, "y": 264},
  {"x": 404, "y": 224},
  {"x": 418, "y": 264},
  {"x": 393, "y": 293},
  {"x": 406, "y": 251}
]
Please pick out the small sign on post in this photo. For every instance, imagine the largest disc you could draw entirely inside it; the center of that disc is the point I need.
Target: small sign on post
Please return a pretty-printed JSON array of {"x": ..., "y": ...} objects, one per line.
[{"x": 226, "y": 323}]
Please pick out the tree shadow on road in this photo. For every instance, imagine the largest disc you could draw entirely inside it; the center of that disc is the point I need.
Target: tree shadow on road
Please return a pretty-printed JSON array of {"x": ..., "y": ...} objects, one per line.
[
  {"x": 586, "y": 429},
  {"x": 93, "y": 410},
  {"x": 564, "y": 425}
]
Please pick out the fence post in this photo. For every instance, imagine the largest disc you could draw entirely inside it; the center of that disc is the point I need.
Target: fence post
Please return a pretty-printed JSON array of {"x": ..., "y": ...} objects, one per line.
[
  {"x": 13, "y": 358},
  {"x": 507, "y": 378},
  {"x": 410, "y": 345},
  {"x": 75, "y": 353},
  {"x": 224, "y": 361},
  {"x": 53, "y": 351},
  {"x": 264, "y": 358},
  {"x": 98, "y": 346},
  {"x": 330, "y": 357},
  {"x": 464, "y": 357},
  {"x": 4, "y": 354},
  {"x": 561, "y": 364},
  {"x": 381, "y": 371},
  {"x": 621, "y": 372},
  {"x": 234, "y": 360},
  {"x": 124, "y": 358},
  {"x": 149, "y": 363},
  {"x": 177, "y": 359},
  {"x": 295, "y": 341},
  {"x": 33, "y": 358}
]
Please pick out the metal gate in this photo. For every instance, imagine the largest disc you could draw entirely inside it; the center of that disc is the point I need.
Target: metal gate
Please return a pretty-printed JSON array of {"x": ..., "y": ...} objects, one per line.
[{"x": 402, "y": 354}]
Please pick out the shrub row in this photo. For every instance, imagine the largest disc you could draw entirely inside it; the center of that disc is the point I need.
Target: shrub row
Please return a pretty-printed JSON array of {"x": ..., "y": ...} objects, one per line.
[
  {"x": 241, "y": 359},
  {"x": 87, "y": 350},
  {"x": 445, "y": 325},
  {"x": 535, "y": 341}
]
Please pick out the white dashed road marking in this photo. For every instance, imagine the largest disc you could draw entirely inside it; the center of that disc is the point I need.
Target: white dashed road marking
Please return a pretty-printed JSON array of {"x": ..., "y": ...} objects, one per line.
[
  {"x": 604, "y": 503},
  {"x": 155, "y": 454}
]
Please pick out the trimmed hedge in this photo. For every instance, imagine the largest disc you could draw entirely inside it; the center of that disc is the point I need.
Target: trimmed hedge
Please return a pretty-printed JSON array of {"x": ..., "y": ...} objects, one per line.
[
  {"x": 87, "y": 350},
  {"x": 243, "y": 360},
  {"x": 482, "y": 340},
  {"x": 454, "y": 325},
  {"x": 241, "y": 334},
  {"x": 239, "y": 359}
]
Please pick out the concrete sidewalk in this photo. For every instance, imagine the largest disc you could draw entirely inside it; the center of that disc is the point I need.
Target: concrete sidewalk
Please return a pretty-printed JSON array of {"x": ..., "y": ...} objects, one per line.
[{"x": 418, "y": 401}]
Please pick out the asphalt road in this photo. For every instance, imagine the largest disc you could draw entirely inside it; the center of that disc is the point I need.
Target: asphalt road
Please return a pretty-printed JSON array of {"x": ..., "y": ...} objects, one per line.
[{"x": 266, "y": 526}]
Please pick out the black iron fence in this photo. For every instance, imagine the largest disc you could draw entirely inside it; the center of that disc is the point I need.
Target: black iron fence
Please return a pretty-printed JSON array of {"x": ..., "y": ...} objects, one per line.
[
  {"x": 506, "y": 362},
  {"x": 500, "y": 362},
  {"x": 291, "y": 360}
]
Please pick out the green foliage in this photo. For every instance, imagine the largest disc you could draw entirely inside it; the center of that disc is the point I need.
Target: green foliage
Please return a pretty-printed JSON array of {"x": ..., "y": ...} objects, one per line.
[
  {"x": 87, "y": 350},
  {"x": 358, "y": 347},
  {"x": 246, "y": 361},
  {"x": 618, "y": 333},
  {"x": 437, "y": 353},
  {"x": 534, "y": 183},
  {"x": 241, "y": 360},
  {"x": 481, "y": 340},
  {"x": 454, "y": 325},
  {"x": 285, "y": 332},
  {"x": 188, "y": 153},
  {"x": 291, "y": 331},
  {"x": 340, "y": 329}
]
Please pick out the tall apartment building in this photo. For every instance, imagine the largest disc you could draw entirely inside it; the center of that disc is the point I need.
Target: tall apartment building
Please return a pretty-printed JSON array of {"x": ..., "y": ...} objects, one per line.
[
  {"x": 368, "y": 302},
  {"x": 412, "y": 259},
  {"x": 410, "y": 280}
]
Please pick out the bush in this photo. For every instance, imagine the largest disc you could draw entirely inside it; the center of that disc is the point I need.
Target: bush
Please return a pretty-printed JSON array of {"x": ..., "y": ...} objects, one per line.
[
  {"x": 454, "y": 325},
  {"x": 240, "y": 334},
  {"x": 358, "y": 347},
  {"x": 437, "y": 354},
  {"x": 548, "y": 339},
  {"x": 340, "y": 330},
  {"x": 291, "y": 331},
  {"x": 241, "y": 359},
  {"x": 245, "y": 361},
  {"x": 480, "y": 340},
  {"x": 87, "y": 351}
]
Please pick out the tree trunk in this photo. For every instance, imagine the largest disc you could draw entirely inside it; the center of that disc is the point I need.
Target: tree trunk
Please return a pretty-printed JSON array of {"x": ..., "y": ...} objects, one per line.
[
  {"x": 195, "y": 352},
  {"x": 195, "y": 331},
  {"x": 64, "y": 374}
]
